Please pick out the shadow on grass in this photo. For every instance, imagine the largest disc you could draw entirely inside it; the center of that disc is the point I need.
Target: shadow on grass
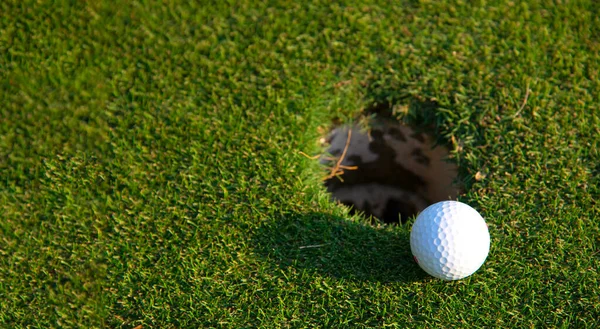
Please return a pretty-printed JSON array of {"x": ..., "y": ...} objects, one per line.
[{"x": 338, "y": 247}]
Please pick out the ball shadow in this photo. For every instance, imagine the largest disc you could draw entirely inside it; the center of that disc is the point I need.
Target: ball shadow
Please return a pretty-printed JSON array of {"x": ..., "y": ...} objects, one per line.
[{"x": 338, "y": 247}]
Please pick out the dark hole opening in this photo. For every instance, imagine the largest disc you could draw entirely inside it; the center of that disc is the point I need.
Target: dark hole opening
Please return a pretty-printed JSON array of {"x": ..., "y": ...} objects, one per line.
[{"x": 389, "y": 171}]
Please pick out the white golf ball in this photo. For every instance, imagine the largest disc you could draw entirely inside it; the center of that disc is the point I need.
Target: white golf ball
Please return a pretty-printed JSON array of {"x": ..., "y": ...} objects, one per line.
[{"x": 450, "y": 240}]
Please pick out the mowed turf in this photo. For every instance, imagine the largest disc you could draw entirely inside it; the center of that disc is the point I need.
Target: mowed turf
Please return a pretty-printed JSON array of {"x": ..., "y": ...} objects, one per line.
[{"x": 150, "y": 173}]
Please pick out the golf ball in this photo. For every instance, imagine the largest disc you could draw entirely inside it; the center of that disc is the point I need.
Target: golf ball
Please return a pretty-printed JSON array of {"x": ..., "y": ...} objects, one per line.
[{"x": 450, "y": 240}]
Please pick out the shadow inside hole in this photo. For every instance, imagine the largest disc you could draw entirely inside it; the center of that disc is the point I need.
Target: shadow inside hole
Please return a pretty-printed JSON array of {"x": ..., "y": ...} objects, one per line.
[
  {"x": 398, "y": 170},
  {"x": 339, "y": 248}
]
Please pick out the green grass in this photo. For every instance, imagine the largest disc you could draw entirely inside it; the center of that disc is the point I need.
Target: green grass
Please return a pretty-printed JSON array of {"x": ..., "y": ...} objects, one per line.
[{"x": 150, "y": 171}]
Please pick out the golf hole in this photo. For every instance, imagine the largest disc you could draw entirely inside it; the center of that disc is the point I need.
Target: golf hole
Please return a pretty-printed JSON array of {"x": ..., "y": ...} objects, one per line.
[{"x": 389, "y": 171}]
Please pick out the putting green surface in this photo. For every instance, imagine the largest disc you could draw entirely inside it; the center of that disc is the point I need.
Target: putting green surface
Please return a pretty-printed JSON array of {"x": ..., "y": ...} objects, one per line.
[{"x": 151, "y": 175}]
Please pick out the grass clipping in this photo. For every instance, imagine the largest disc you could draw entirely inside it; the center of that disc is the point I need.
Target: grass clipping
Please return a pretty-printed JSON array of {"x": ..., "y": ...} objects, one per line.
[{"x": 338, "y": 169}]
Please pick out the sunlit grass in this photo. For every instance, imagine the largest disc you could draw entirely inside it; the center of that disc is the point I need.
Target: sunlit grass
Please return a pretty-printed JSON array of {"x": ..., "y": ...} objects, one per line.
[{"x": 151, "y": 174}]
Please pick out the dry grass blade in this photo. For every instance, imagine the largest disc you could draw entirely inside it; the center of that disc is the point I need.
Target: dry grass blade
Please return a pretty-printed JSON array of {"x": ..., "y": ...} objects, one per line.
[{"x": 338, "y": 169}]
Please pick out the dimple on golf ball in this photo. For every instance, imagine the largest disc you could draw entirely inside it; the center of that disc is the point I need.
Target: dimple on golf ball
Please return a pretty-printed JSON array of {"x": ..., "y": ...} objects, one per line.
[{"x": 450, "y": 240}]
